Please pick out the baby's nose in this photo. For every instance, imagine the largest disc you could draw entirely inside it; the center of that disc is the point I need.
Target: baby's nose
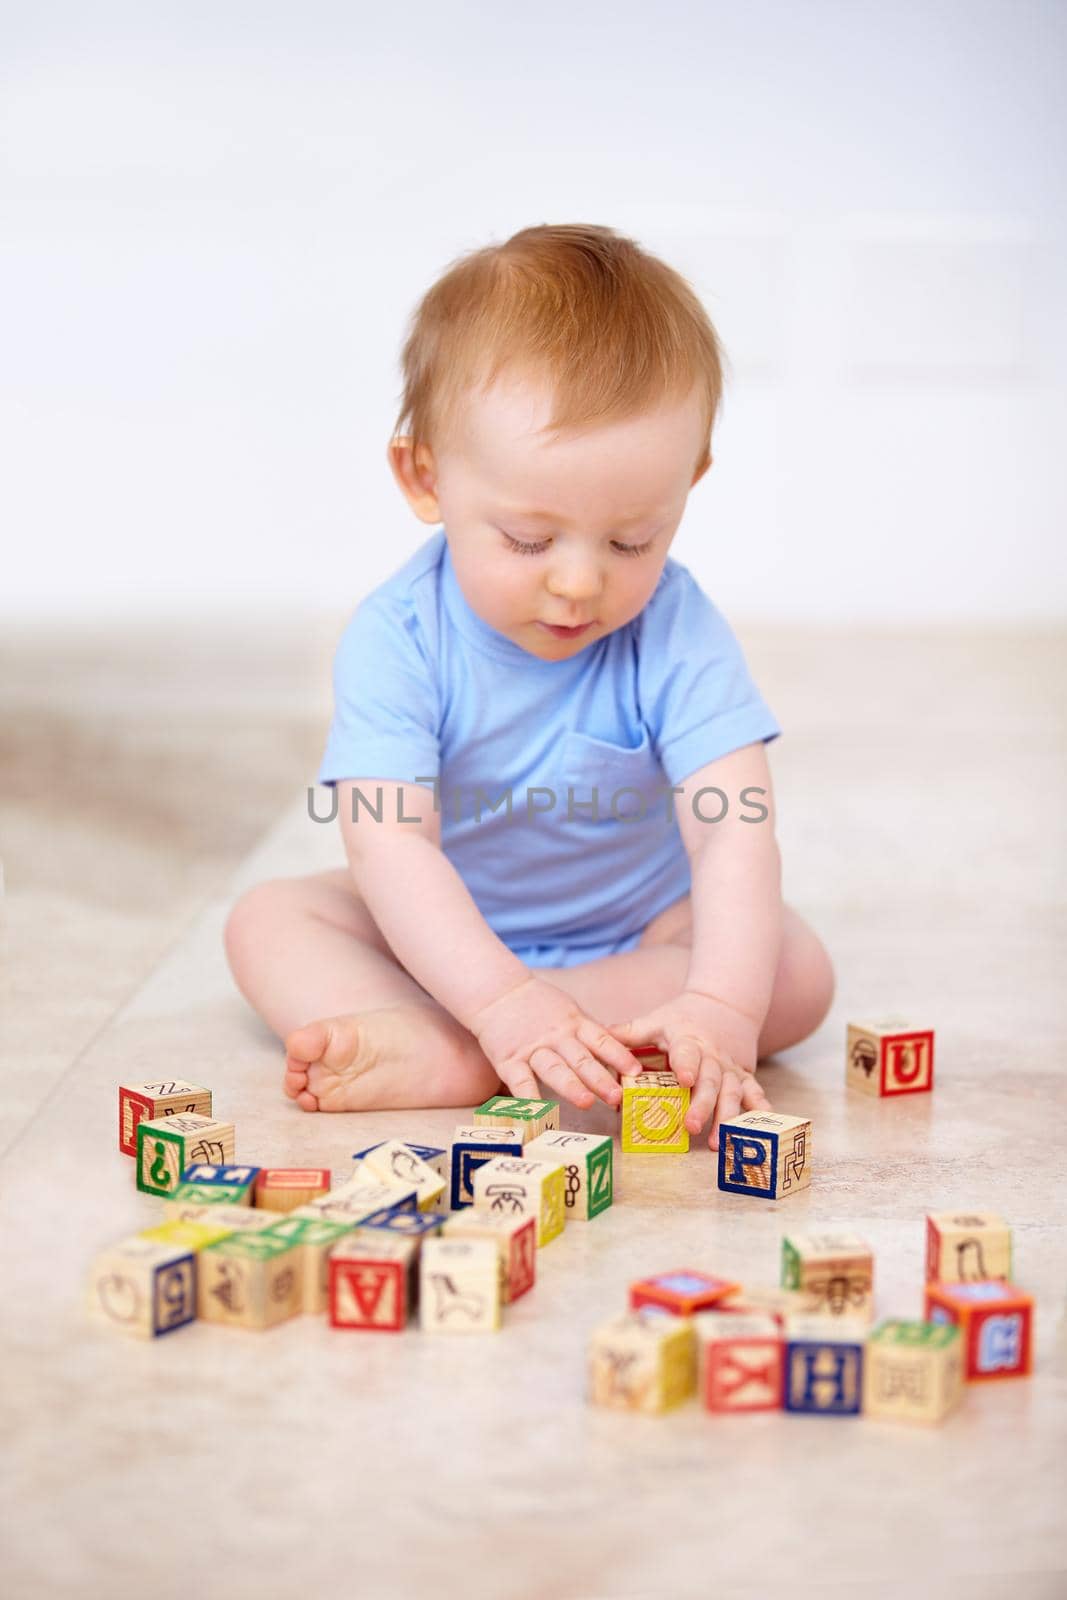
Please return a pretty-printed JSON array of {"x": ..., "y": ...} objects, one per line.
[{"x": 575, "y": 580}]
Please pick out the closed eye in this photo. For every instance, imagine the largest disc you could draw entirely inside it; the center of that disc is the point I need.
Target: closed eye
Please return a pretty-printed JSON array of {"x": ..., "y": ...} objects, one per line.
[{"x": 536, "y": 549}]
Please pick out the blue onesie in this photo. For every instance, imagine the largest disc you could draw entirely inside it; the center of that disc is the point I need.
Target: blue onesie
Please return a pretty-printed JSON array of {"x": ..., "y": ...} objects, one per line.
[{"x": 552, "y": 778}]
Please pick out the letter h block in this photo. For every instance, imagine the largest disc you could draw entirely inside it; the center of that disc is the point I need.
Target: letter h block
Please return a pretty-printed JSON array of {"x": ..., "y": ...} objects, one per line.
[
  {"x": 824, "y": 1366},
  {"x": 995, "y": 1322},
  {"x": 740, "y": 1361},
  {"x": 889, "y": 1058},
  {"x": 766, "y": 1154}
]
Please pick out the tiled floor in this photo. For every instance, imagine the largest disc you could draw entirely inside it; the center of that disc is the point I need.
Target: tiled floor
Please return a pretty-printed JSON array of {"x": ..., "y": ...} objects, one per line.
[{"x": 921, "y": 792}]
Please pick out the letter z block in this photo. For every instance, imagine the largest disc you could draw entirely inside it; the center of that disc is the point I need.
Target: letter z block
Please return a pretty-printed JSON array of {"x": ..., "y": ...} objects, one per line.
[
  {"x": 823, "y": 1366},
  {"x": 143, "y": 1287},
  {"x": 459, "y": 1286},
  {"x": 145, "y": 1102},
  {"x": 167, "y": 1145},
  {"x": 681, "y": 1293},
  {"x": 534, "y": 1117},
  {"x": 513, "y": 1188},
  {"x": 967, "y": 1247},
  {"x": 912, "y": 1371},
  {"x": 996, "y": 1324},
  {"x": 642, "y": 1361},
  {"x": 587, "y": 1159},
  {"x": 889, "y": 1058},
  {"x": 654, "y": 1105},
  {"x": 373, "y": 1282},
  {"x": 250, "y": 1280},
  {"x": 739, "y": 1362},
  {"x": 765, "y": 1153},
  {"x": 836, "y": 1271},
  {"x": 471, "y": 1148},
  {"x": 516, "y": 1239}
]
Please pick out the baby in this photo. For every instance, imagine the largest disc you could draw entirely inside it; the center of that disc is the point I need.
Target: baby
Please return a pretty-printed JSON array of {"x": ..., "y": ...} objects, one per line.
[{"x": 547, "y": 755}]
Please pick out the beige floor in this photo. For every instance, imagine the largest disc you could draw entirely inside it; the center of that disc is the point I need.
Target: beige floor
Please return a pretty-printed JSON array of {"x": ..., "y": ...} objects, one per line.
[{"x": 145, "y": 779}]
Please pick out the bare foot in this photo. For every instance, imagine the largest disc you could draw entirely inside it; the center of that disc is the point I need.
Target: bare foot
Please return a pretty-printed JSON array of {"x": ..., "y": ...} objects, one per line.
[{"x": 386, "y": 1059}]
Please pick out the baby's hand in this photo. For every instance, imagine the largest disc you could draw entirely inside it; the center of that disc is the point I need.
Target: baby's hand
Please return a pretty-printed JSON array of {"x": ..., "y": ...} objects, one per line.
[
  {"x": 537, "y": 1028},
  {"x": 712, "y": 1050}
]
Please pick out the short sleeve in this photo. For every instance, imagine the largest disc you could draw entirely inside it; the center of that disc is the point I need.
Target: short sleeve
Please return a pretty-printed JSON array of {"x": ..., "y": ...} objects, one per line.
[
  {"x": 386, "y": 716},
  {"x": 697, "y": 696}
]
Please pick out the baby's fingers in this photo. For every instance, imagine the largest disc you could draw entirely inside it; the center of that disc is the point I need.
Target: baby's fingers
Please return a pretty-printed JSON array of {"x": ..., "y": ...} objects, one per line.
[
  {"x": 703, "y": 1098},
  {"x": 752, "y": 1096},
  {"x": 554, "y": 1071},
  {"x": 518, "y": 1079},
  {"x": 592, "y": 1074},
  {"x": 730, "y": 1097}
]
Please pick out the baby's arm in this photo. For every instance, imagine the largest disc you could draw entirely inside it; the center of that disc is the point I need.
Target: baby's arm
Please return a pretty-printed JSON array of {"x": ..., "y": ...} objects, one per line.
[{"x": 433, "y": 926}]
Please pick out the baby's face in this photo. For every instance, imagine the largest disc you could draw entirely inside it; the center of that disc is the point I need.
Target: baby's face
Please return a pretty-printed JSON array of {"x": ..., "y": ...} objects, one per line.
[{"x": 571, "y": 531}]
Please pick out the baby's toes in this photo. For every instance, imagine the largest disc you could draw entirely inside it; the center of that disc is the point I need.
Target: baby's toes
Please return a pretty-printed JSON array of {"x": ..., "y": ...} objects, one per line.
[
  {"x": 296, "y": 1077},
  {"x": 306, "y": 1044}
]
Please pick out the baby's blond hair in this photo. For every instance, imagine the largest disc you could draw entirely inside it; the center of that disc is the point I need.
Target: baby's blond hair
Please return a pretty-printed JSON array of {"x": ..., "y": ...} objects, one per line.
[{"x": 612, "y": 329}]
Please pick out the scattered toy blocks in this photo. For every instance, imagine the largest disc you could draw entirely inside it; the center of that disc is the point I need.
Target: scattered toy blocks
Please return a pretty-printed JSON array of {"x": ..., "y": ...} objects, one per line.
[
  {"x": 314, "y": 1238},
  {"x": 532, "y": 1117},
  {"x": 516, "y": 1239},
  {"x": 145, "y": 1102},
  {"x": 681, "y": 1293},
  {"x": 835, "y": 1270},
  {"x": 739, "y": 1361},
  {"x": 250, "y": 1280},
  {"x": 143, "y": 1287},
  {"x": 654, "y": 1105},
  {"x": 167, "y": 1145},
  {"x": 967, "y": 1247},
  {"x": 432, "y": 1155},
  {"x": 373, "y": 1282},
  {"x": 995, "y": 1322},
  {"x": 289, "y": 1188},
  {"x": 459, "y": 1286},
  {"x": 889, "y": 1058},
  {"x": 912, "y": 1371},
  {"x": 823, "y": 1371},
  {"x": 765, "y": 1153},
  {"x": 587, "y": 1166},
  {"x": 470, "y": 1149},
  {"x": 225, "y": 1182},
  {"x": 396, "y": 1163},
  {"x": 358, "y": 1199},
  {"x": 512, "y": 1187},
  {"x": 642, "y": 1362}
]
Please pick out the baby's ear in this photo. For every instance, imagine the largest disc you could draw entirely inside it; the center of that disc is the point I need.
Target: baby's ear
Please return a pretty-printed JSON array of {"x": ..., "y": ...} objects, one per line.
[{"x": 416, "y": 476}]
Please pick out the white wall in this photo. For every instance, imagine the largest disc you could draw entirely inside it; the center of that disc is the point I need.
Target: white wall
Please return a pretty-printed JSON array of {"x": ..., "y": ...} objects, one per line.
[{"x": 216, "y": 219}]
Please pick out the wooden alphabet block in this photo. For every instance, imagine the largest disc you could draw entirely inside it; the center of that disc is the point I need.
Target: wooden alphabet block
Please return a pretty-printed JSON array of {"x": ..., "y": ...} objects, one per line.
[
  {"x": 470, "y": 1149},
  {"x": 765, "y": 1153},
  {"x": 396, "y": 1163},
  {"x": 823, "y": 1371},
  {"x": 358, "y": 1199},
  {"x": 515, "y": 1238},
  {"x": 515, "y": 1188},
  {"x": 223, "y": 1182},
  {"x": 532, "y": 1117},
  {"x": 739, "y": 1361},
  {"x": 250, "y": 1280},
  {"x": 205, "y": 1197},
  {"x": 995, "y": 1322},
  {"x": 287, "y": 1188},
  {"x": 967, "y": 1247},
  {"x": 145, "y": 1102},
  {"x": 587, "y": 1159},
  {"x": 889, "y": 1058},
  {"x": 836, "y": 1270},
  {"x": 432, "y": 1154},
  {"x": 642, "y": 1362},
  {"x": 167, "y": 1145},
  {"x": 226, "y": 1217},
  {"x": 373, "y": 1282},
  {"x": 681, "y": 1293},
  {"x": 912, "y": 1371},
  {"x": 314, "y": 1238},
  {"x": 143, "y": 1287},
  {"x": 459, "y": 1286},
  {"x": 654, "y": 1105}
]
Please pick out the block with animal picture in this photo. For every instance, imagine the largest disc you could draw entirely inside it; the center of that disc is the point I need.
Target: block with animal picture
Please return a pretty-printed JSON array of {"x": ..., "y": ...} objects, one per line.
[
  {"x": 167, "y": 1145},
  {"x": 395, "y": 1162},
  {"x": 515, "y": 1238},
  {"x": 314, "y": 1238},
  {"x": 250, "y": 1280},
  {"x": 739, "y": 1361},
  {"x": 967, "y": 1247},
  {"x": 912, "y": 1371},
  {"x": 766, "y": 1154},
  {"x": 433, "y": 1155},
  {"x": 163, "y": 1097},
  {"x": 889, "y": 1058},
  {"x": 532, "y": 1117},
  {"x": 823, "y": 1365},
  {"x": 588, "y": 1176},
  {"x": 459, "y": 1286},
  {"x": 654, "y": 1106},
  {"x": 357, "y": 1199},
  {"x": 373, "y": 1282},
  {"x": 642, "y": 1361},
  {"x": 287, "y": 1188},
  {"x": 682, "y": 1293},
  {"x": 469, "y": 1149},
  {"x": 835, "y": 1270},
  {"x": 144, "y": 1287},
  {"x": 514, "y": 1187},
  {"x": 996, "y": 1323}
]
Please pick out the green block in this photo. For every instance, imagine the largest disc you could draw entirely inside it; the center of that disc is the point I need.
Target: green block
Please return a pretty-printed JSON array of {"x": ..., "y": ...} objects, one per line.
[
  {"x": 164, "y": 1148},
  {"x": 915, "y": 1335},
  {"x": 253, "y": 1246},
  {"x": 515, "y": 1109},
  {"x": 599, "y": 1176},
  {"x": 790, "y": 1266},
  {"x": 209, "y": 1194},
  {"x": 307, "y": 1230}
]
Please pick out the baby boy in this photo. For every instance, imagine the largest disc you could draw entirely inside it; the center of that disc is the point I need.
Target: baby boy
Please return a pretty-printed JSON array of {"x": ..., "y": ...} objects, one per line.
[{"x": 547, "y": 753}]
